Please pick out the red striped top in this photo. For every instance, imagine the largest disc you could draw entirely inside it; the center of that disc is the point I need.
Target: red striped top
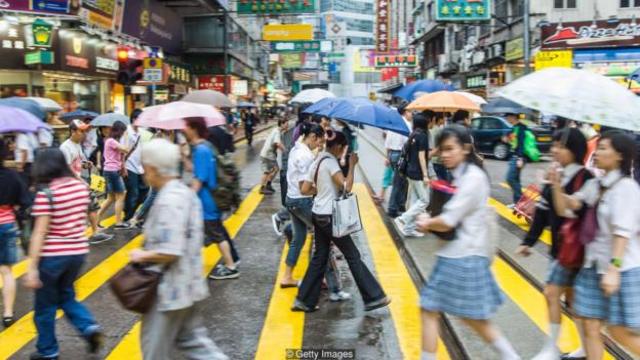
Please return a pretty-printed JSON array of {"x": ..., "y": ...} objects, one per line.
[
  {"x": 68, "y": 217},
  {"x": 7, "y": 215}
]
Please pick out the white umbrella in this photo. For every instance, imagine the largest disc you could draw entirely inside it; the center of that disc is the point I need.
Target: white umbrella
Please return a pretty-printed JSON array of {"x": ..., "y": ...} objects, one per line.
[
  {"x": 209, "y": 97},
  {"x": 577, "y": 95},
  {"x": 311, "y": 96},
  {"x": 46, "y": 104},
  {"x": 478, "y": 100}
]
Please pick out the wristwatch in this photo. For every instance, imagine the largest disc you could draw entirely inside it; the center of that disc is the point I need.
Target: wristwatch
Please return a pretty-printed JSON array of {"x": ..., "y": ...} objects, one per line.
[{"x": 617, "y": 262}]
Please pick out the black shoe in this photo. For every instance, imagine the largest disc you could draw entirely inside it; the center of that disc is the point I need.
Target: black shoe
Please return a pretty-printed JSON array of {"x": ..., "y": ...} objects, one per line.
[
  {"x": 37, "y": 356},
  {"x": 567, "y": 357},
  {"x": 95, "y": 341},
  {"x": 100, "y": 238},
  {"x": 299, "y": 306},
  {"x": 8, "y": 321},
  {"x": 377, "y": 304},
  {"x": 270, "y": 188},
  {"x": 223, "y": 273},
  {"x": 265, "y": 191}
]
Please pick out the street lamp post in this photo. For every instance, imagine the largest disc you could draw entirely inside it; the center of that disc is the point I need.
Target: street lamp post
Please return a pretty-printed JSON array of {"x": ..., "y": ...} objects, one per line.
[{"x": 527, "y": 38}]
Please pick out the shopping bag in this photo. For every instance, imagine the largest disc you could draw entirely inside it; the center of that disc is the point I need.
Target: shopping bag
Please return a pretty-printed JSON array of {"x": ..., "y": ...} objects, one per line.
[{"x": 346, "y": 216}]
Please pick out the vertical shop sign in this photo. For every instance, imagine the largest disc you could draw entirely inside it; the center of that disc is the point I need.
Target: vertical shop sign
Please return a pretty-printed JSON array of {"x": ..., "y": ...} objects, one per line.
[{"x": 382, "y": 27}]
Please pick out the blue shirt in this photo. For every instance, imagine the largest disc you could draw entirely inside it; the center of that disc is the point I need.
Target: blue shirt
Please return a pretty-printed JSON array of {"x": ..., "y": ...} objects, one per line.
[{"x": 205, "y": 171}]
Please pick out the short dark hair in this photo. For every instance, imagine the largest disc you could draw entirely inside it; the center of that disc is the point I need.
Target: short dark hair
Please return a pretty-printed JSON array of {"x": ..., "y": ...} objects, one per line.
[
  {"x": 134, "y": 114},
  {"x": 402, "y": 108},
  {"x": 460, "y": 115},
  {"x": 117, "y": 129},
  {"x": 420, "y": 121},
  {"x": 623, "y": 144},
  {"x": 311, "y": 128},
  {"x": 574, "y": 141},
  {"x": 199, "y": 125},
  {"x": 282, "y": 121},
  {"x": 335, "y": 138},
  {"x": 464, "y": 138},
  {"x": 50, "y": 164},
  {"x": 429, "y": 114}
]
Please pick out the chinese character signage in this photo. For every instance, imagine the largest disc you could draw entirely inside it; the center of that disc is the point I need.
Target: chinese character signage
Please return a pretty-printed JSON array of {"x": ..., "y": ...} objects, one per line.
[
  {"x": 463, "y": 10},
  {"x": 554, "y": 58},
  {"x": 211, "y": 82},
  {"x": 476, "y": 81},
  {"x": 276, "y": 7},
  {"x": 514, "y": 49},
  {"x": 396, "y": 61},
  {"x": 383, "y": 41},
  {"x": 296, "y": 46},
  {"x": 288, "y": 32},
  {"x": 586, "y": 34}
]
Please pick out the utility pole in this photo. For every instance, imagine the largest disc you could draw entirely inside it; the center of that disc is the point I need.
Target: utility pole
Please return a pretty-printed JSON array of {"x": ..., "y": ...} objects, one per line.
[{"x": 527, "y": 37}]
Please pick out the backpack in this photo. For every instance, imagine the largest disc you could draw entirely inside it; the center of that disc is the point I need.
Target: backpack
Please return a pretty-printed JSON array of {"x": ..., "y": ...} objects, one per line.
[
  {"x": 227, "y": 194},
  {"x": 530, "y": 146},
  {"x": 402, "y": 165}
]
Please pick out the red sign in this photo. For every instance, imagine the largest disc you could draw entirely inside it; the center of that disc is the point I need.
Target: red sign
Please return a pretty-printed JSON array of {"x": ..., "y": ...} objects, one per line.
[
  {"x": 586, "y": 34},
  {"x": 389, "y": 74},
  {"x": 383, "y": 42},
  {"x": 76, "y": 61},
  {"x": 396, "y": 61},
  {"x": 211, "y": 82}
]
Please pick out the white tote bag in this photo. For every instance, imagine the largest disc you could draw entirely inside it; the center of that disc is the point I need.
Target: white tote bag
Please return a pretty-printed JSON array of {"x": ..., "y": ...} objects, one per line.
[{"x": 346, "y": 216}]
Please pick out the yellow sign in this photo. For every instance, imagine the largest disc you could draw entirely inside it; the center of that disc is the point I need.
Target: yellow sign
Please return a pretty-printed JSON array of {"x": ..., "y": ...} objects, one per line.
[
  {"x": 280, "y": 32},
  {"x": 554, "y": 58},
  {"x": 152, "y": 63}
]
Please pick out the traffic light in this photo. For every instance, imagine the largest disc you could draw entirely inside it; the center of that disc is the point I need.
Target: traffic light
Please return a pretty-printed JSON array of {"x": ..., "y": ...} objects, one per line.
[{"x": 130, "y": 69}]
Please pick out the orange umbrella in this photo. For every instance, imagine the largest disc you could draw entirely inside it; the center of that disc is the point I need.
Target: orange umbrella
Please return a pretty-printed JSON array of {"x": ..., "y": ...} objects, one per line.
[{"x": 443, "y": 101}]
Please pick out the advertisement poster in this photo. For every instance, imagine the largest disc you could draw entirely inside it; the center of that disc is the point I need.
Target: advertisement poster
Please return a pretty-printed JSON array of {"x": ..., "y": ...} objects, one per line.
[{"x": 153, "y": 23}]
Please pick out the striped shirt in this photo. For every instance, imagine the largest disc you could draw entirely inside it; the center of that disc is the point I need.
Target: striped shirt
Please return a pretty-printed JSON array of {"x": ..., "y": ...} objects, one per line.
[
  {"x": 6, "y": 215},
  {"x": 67, "y": 209}
]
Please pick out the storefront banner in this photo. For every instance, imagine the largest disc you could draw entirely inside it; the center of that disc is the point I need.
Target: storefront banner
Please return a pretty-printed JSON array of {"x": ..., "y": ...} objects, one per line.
[
  {"x": 585, "y": 35},
  {"x": 107, "y": 58},
  {"x": 396, "y": 61},
  {"x": 476, "y": 81},
  {"x": 153, "y": 23},
  {"x": 247, "y": 7},
  {"x": 211, "y": 82},
  {"x": 514, "y": 49},
  {"x": 296, "y": 46},
  {"x": 606, "y": 55},
  {"x": 383, "y": 40},
  {"x": 554, "y": 58},
  {"x": 43, "y": 6},
  {"x": 280, "y": 32},
  {"x": 463, "y": 10}
]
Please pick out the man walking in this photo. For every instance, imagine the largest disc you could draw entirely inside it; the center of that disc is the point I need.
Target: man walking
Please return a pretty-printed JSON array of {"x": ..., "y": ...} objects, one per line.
[
  {"x": 394, "y": 143},
  {"x": 134, "y": 177},
  {"x": 517, "y": 161}
]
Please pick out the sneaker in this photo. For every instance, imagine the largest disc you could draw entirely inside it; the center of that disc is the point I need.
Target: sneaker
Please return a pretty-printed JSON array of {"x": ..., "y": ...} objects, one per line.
[
  {"x": 95, "y": 341},
  {"x": 300, "y": 306},
  {"x": 277, "y": 224},
  {"x": 511, "y": 206},
  {"x": 377, "y": 304},
  {"x": 339, "y": 296},
  {"x": 223, "y": 273},
  {"x": 121, "y": 226},
  {"x": 38, "y": 356},
  {"x": 266, "y": 191},
  {"x": 400, "y": 225},
  {"x": 100, "y": 238},
  {"x": 414, "y": 233}
]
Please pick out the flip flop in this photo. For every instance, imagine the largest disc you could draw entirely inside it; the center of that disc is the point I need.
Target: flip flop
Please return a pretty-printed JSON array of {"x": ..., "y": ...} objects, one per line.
[{"x": 286, "y": 286}]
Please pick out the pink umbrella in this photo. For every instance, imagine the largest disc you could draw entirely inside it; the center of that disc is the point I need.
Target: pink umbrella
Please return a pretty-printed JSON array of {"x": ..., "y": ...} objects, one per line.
[{"x": 171, "y": 116}]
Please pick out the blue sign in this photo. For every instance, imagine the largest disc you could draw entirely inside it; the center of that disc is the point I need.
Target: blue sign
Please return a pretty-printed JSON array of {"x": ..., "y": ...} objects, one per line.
[
  {"x": 606, "y": 55},
  {"x": 54, "y": 6}
]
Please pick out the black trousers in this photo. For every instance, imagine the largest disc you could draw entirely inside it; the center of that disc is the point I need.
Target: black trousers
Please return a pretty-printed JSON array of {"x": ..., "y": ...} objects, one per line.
[
  {"x": 543, "y": 218},
  {"x": 309, "y": 291},
  {"x": 398, "y": 198}
]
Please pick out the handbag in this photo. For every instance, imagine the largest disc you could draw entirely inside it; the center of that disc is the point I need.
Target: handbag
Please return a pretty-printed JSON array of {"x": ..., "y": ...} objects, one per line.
[
  {"x": 136, "y": 287},
  {"x": 441, "y": 192}
]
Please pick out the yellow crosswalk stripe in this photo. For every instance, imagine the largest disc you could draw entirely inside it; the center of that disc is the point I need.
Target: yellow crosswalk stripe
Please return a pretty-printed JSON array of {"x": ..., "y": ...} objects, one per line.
[
  {"x": 21, "y": 267},
  {"x": 283, "y": 329},
  {"x": 129, "y": 347},
  {"x": 507, "y": 213},
  {"x": 533, "y": 304},
  {"x": 395, "y": 280}
]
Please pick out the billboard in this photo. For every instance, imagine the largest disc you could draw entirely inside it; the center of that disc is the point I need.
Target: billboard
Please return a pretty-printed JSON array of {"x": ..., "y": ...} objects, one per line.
[
  {"x": 289, "y": 32},
  {"x": 587, "y": 34},
  {"x": 154, "y": 23}
]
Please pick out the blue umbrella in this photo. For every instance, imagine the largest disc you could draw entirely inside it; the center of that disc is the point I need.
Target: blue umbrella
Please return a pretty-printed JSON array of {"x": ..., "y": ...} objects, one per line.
[
  {"x": 78, "y": 114},
  {"x": 504, "y": 106},
  {"x": 365, "y": 112},
  {"x": 245, "y": 104},
  {"x": 322, "y": 107},
  {"x": 13, "y": 119},
  {"x": 27, "y": 105},
  {"x": 412, "y": 91},
  {"x": 109, "y": 119}
]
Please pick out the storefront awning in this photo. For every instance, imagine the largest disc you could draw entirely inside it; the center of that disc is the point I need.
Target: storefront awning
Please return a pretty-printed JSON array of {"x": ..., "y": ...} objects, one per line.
[{"x": 391, "y": 88}]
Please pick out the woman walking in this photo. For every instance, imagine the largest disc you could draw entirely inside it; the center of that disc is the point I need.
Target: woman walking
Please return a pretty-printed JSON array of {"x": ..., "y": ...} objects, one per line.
[
  {"x": 461, "y": 283},
  {"x": 327, "y": 185},
  {"x": 14, "y": 194},
  {"x": 607, "y": 288},
  {"x": 57, "y": 252},
  {"x": 114, "y": 154},
  {"x": 568, "y": 149}
]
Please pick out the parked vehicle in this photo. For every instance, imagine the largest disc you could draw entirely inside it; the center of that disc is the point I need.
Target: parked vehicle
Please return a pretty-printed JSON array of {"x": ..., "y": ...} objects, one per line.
[{"x": 488, "y": 132}]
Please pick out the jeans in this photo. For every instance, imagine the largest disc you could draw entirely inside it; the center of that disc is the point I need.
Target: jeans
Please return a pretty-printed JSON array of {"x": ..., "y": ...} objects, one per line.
[
  {"x": 136, "y": 192},
  {"x": 57, "y": 274},
  {"x": 398, "y": 198},
  {"x": 146, "y": 205},
  {"x": 513, "y": 179},
  {"x": 420, "y": 200},
  {"x": 300, "y": 210},
  {"x": 283, "y": 184},
  {"x": 309, "y": 291}
]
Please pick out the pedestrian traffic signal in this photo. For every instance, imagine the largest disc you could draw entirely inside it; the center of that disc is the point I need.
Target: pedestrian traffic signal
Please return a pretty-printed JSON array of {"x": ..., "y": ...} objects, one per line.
[{"x": 130, "y": 71}]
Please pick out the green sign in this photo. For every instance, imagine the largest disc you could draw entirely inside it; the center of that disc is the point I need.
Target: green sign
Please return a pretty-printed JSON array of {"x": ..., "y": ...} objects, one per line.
[
  {"x": 463, "y": 10},
  {"x": 42, "y": 33},
  {"x": 514, "y": 49},
  {"x": 276, "y": 7},
  {"x": 39, "y": 58},
  {"x": 295, "y": 46}
]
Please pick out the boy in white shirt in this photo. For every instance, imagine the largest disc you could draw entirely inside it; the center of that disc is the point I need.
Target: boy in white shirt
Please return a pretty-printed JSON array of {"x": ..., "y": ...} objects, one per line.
[{"x": 269, "y": 156}]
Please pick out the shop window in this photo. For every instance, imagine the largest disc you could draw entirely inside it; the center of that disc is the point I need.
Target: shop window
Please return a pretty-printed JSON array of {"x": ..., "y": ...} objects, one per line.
[{"x": 629, "y": 3}]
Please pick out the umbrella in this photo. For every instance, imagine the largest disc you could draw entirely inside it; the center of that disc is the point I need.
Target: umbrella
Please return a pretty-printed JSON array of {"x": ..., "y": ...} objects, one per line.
[
  {"x": 171, "y": 116},
  {"x": 79, "y": 114},
  {"x": 322, "y": 107},
  {"x": 46, "y": 104},
  {"x": 311, "y": 96},
  {"x": 443, "y": 101},
  {"x": 13, "y": 119},
  {"x": 365, "y": 112},
  {"x": 109, "y": 119},
  {"x": 27, "y": 105},
  {"x": 245, "y": 104},
  {"x": 578, "y": 95},
  {"x": 412, "y": 91},
  {"x": 478, "y": 100},
  {"x": 504, "y": 106},
  {"x": 208, "y": 97},
  {"x": 635, "y": 75}
]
